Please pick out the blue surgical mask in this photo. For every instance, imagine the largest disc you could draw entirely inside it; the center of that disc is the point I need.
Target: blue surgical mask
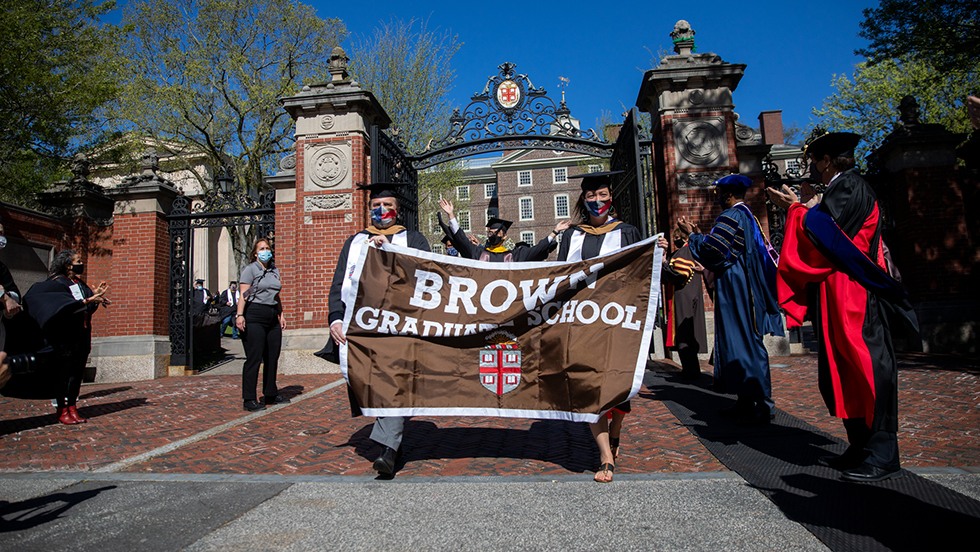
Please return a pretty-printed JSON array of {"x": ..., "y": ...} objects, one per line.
[
  {"x": 265, "y": 255},
  {"x": 452, "y": 252}
]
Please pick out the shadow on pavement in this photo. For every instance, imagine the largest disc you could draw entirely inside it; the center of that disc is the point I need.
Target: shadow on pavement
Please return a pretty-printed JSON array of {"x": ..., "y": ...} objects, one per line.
[
  {"x": 904, "y": 513},
  {"x": 8, "y": 427},
  {"x": 27, "y": 514},
  {"x": 566, "y": 444}
]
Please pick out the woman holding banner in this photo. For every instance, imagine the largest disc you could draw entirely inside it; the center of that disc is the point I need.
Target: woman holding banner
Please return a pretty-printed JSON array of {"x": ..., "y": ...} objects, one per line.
[
  {"x": 599, "y": 232},
  {"x": 383, "y": 228}
]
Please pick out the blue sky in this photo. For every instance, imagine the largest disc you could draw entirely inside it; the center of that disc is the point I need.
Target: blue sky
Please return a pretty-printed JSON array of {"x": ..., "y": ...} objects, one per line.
[{"x": 791, "y": 49}]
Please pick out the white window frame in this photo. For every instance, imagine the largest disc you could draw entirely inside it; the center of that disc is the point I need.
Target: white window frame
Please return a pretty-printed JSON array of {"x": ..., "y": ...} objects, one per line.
[
  {"x": 564, "y": 175},
  {"x": 530, "y": 179},
  {"x": 520, "y": 207},
  {"x": 463, "y": 193},
  {"x": 568, "y": 207},
  {"x": 527, "y": 236},
  {"x": 489, "y": 190},
  {"x": 595, "y": 168},
  {"x": 463, "y": 218}
]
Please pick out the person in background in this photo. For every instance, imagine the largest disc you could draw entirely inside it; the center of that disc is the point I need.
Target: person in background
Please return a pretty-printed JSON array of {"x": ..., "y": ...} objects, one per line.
[
  {"x": 229, "y": 298},
  {"x": 684, "y": 302},
  {"x": 599, "y": 232},
  {"x": 260, "y": 321},
  {"x": 495, "y": 250},
  {"x": 738, "y": 254}
]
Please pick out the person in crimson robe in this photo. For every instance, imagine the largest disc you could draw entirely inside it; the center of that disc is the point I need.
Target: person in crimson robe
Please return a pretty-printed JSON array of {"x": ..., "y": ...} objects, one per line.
[
  {"x": 832, "y": 269},
  {"x": 600, "y": 232},
  {"x": 494, "y": 250},
  {"x": 738, "y": 254},
  {"x": 383, "y": 203},
  {"x": 684, "y": 306}
]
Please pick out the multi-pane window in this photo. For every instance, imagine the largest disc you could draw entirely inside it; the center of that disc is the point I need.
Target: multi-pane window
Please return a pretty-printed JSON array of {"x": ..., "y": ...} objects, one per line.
[
  {"x": 561, "y": 175},
  {"x": 527, "y": 208},
  {"x": 527, "y": 237},
  {"x": 464, "y": 220},
  {"x": 561, "y": 206},
  {"x": 524, "y": 178},
  {"x": 438, "y": 248},
  {"x": 463, "y": 193},
  {"x": 489, "y": 189},
  {"x": 792, "y": 166},
  {"x": 595, "y": 168}
]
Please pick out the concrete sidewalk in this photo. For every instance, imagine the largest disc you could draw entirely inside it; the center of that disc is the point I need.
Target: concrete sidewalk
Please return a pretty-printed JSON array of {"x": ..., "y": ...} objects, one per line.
[{"x": 175, "y": 463}]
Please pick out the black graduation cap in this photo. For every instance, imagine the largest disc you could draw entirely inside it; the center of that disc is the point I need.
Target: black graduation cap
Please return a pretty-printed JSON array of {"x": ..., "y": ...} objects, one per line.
[
  {"x": 499, "y": 224},
  {"x": 381, "y": 189},
  {"x": 833, "y": 144},
  {"x": 593, "y": 181},
  {"x": 734, "y": 181},
  {"x": 199, "y": 281}
]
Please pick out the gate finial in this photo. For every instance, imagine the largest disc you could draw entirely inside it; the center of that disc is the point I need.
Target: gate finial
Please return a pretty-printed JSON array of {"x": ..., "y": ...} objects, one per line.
[{"x": 338, "y": 65}]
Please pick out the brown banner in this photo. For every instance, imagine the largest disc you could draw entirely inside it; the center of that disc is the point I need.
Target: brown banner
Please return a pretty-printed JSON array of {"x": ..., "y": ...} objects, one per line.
[{"x": 439, "y": 336}]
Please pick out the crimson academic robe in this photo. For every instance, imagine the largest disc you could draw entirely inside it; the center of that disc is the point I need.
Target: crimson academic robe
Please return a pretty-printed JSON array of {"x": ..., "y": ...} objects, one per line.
[{"x": 832, "y": 268}]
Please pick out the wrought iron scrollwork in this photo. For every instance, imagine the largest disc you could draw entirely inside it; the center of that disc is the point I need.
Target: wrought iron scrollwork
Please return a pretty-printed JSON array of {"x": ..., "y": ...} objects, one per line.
[{"x": 510, "y": 107}]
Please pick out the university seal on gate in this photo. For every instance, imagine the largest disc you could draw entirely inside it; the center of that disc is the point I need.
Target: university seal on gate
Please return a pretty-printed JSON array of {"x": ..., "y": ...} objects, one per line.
[
  {"x": 500, "y": 363},
  {"x": 508, "y": 94}
]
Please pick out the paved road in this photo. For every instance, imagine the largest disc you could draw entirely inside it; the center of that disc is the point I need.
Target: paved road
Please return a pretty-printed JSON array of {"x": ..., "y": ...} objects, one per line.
[{"x": 175, "y": 464}]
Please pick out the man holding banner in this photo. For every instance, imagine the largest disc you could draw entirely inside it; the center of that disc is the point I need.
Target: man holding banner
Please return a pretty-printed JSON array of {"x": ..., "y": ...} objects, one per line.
[
  {"x": 737, "y": 253},
  {"x": 387, "y": 431}
]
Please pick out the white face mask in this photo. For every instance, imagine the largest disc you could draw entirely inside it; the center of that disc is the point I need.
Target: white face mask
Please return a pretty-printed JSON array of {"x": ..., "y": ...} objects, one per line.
[{"x": 3, "y": 242}]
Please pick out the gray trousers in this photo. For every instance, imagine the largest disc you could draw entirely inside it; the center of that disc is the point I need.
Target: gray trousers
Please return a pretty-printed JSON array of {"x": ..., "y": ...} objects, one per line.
[{"x": 388, "y": 431}]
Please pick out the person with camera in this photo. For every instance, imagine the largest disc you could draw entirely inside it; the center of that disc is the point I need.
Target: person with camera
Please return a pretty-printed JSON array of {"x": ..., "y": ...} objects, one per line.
[{"x": 72, "y": 336}]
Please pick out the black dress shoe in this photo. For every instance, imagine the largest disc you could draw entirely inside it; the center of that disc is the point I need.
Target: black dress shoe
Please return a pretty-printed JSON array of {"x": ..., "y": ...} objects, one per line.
[
  {"x": 278, "y": 399},
  {"x": 866, "y": 473},
  {"x": 385, "y": 464},
  {"x": 254, "y": 405}
]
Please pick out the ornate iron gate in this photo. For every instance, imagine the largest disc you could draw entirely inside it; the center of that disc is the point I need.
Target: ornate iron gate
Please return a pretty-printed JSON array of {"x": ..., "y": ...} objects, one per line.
[
  {"x": 218, "y": 210},
  {"x": 632, "y": 188}
]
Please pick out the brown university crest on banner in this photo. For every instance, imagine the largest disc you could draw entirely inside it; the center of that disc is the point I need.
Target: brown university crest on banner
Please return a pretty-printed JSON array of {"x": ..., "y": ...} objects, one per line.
[
  {"x": 500, "y": 365},
  {"x": 431, "y": 335}
]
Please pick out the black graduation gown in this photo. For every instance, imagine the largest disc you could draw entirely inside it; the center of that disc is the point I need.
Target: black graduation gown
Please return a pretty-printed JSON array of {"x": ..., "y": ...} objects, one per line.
[
  {"x": 521, "y": 252},
  {"x": 592, "y": 244}
]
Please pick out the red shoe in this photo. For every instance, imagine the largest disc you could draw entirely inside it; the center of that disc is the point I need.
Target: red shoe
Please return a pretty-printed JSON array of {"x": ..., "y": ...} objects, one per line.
[
  {"x": 73, "y": 411},
  {"x": 65, "y": 417}
]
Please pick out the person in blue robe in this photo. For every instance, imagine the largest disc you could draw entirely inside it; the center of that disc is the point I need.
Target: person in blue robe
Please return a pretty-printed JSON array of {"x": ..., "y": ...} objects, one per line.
[{"x": 746, "y": 309}]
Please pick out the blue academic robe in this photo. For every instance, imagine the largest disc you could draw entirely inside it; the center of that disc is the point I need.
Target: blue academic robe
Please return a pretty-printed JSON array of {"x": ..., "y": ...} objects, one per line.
[{"x": 745, "y": 302}]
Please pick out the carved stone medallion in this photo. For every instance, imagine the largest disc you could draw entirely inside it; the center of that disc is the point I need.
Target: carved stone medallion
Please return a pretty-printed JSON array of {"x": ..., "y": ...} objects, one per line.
[
  {"x": 328, "y": 166},
  {"x": 701, "y": 143}
]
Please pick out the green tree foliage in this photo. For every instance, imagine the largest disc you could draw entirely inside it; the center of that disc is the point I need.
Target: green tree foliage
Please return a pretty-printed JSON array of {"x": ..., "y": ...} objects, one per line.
[
  {"x": 408, "y": 68},
  {"x": 942, "y": 33},
  {"x": 868, "y": 102},
  {"x": 206, "y": 75},
  {"x": 57, "y": 67}
]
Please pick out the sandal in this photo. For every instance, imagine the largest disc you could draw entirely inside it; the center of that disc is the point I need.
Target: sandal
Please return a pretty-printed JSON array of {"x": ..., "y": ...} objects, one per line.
[
  {"x": 610, "y": 468},
  {"x": 614, "y": 445}
]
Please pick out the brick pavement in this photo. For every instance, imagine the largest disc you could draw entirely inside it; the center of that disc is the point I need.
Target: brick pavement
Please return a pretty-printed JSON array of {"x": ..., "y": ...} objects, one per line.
[{"x": 939, "y": 407}]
